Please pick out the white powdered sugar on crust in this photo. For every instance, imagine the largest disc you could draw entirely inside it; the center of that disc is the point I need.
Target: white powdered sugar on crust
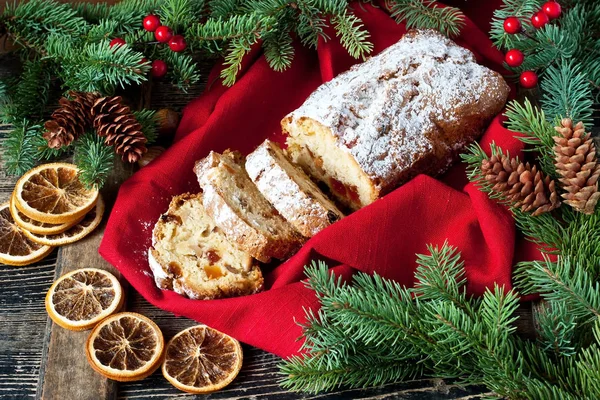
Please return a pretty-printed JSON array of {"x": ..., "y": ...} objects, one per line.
[
  {"x": 385, "y": 111},
  {"x": 305, "y": 208}
]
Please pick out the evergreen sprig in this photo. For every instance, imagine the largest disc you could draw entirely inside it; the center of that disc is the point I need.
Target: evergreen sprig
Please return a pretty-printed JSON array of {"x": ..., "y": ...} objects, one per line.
[
  {"x": 426, "y": 14},
  {"x": 94, "y": 159},
  {"x": 532, "y": 127},
  {"x": 375, "y": 331},
  {"x": 21, "y": 147}
]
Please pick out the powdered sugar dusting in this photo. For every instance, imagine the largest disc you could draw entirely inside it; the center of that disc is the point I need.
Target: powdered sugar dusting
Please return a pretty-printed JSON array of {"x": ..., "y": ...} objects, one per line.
[
  {"x": 383, "y": 112},
  {"x": 307, "y": 209}
]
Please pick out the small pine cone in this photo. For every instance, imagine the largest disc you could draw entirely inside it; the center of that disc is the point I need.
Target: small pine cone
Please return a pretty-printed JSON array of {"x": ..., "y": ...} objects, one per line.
[
  {"x": 575, "y": 162},
  {"x": 70, "y": 120},
  {"x": 114, "y": 121},
  {"x": 520, "y": 185}
]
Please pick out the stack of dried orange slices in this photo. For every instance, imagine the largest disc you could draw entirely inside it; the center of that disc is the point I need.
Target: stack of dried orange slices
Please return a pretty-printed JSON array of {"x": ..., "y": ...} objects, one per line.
[{"x": 49, "y": 207}]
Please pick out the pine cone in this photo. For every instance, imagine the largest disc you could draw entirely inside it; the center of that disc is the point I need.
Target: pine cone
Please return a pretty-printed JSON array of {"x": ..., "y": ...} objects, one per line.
[
  {"x": 114, "y": 121},
  {"x": 70, "y": 120},
  {"x": 575, "y": 162},
  {"x": 520, "y": 185}
]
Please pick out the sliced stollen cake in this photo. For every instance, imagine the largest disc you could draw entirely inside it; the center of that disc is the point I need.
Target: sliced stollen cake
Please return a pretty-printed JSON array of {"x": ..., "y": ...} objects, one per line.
[
  {"x": 409, "y": 110},
  {"x": 191, "y": 255},
  {"x": 241, "y": 211},
  {"x": 291, "y": 192}
]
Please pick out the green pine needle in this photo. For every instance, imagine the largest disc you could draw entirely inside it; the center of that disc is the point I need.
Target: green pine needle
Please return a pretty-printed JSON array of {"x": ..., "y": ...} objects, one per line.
[
  {"x": 426, "y": 14},
  {"x": 568, "y": 93},
  {"x": 535, "y": 130},
  {"x": 94, "y": 159},
  {"x": 19, "y": 150}
]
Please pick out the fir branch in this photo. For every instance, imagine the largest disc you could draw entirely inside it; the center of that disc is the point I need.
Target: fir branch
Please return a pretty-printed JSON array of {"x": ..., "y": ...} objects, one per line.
[
  {"x": 564, "y": 282},
  {"x": 179, "y": 14},
  {"x": 567, "y": 92},
  {"x": 29, "y": 95},
  {"x": 183, "y": 70},
  {"x": 279, "y": 51},
  {"x": 352, "y": 35},
  {"x": 94, "y": 159},
  {"x": 130, "y": 13},
  {"x": 233, "y": 60},
  {"x": 149, "y": 122},
  {"x": 557, "y": 326},
  {"x": 96, "y": 67},
  {"x": 379, "y": 324},
  {"x": 536, "y": 131},
  {"x": 426, "y": 14},
  {"x": 29, "y": 23},
  {"x": 19, "y": 150}
]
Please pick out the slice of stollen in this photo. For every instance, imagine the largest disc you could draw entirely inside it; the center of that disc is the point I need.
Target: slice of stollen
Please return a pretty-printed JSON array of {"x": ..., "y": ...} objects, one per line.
[
  {"x": 290, "y": 190},
  {"x": 241, "y": 211},
  {"x": 192, "y": 256}
]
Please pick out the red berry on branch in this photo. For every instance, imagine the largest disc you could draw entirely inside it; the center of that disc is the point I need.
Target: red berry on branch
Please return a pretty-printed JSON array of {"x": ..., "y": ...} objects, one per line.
[
  {"x": 159, "y": 68},
  {"x": 512, "y": 25},
  {"x": 151, "y": 23},
  {"x": 514, "y": 58},
  {"x": 552, "y": 9},
  {"x": 177, "y": 43},
  {"x": 163, "y": 34},
  {"x": 539, "y": 19},
  {"x": 528, "y": 79},
  {"x": 116, "y": 42},
  {"x": 144, "y": 61}
]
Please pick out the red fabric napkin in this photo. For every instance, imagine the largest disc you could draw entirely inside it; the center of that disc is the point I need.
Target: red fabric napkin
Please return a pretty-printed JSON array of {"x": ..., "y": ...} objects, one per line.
[{"x": 382, "y": 237}]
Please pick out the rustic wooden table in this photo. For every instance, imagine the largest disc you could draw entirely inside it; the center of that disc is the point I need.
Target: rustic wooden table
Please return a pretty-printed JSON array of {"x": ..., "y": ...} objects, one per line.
[{"x": 41, "y": 360}]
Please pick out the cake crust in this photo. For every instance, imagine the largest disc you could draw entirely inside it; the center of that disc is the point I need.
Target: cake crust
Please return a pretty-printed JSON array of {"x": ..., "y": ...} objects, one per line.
[
  {"x": 241, "y": 211},
  {"x": 291, "y": 192},
  {"x": 408, "y": 110}
]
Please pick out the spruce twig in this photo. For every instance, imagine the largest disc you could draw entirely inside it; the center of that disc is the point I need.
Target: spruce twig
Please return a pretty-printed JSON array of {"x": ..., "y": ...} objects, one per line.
[{"x": 94, "y": 159}]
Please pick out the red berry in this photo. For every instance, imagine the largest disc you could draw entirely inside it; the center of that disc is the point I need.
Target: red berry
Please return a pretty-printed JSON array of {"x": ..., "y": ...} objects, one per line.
[
  {"x": 116, "y": 42},
  {"x": 514, "y": 58},
  {"x": 512, "y": 25},
  {"x": 144, "y": 61},
  {"x": 552, "y": 9},
  {"x": 151, "y": 23},
  {"x": 159, "y": 68},
  {"x": 539, "y": 19},
  {"x": 528, "y": 79},
  {"x": 163, "y": 34},
  {"x": 177, "y": 43}
]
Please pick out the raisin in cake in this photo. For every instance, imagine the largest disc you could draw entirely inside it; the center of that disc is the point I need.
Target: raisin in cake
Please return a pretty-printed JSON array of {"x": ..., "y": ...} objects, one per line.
[
  {"x": 406, "y": 111},
  {"x": 241, "y": 211},
  {"x": 191, "y": 255},
  {"x": 290, "y": 191}
]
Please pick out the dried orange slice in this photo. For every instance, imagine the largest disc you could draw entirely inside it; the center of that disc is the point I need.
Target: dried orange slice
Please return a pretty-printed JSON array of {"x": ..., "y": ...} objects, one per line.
[
  {"x": 201, "y": 359},
  {"x": 76, "y": 232},
  {"x": 53, "y": 193},
  {"x": 34, "y": 226},
  {"x": 15, "y": 247},
  {"x": 125, "y": 347},
  {"x": 80, "y": 299}
]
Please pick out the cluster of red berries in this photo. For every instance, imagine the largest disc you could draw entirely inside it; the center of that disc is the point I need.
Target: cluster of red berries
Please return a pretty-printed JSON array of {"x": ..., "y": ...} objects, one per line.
[
  {"x": 514, "y": 58},
  {"x": 162, "y": 34}
]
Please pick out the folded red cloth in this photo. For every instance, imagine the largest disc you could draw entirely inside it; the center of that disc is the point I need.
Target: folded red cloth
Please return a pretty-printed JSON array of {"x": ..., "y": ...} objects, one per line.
[{"x": 382, "y": 237}]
